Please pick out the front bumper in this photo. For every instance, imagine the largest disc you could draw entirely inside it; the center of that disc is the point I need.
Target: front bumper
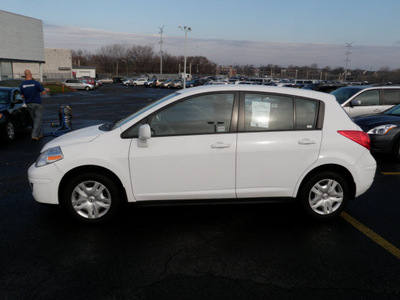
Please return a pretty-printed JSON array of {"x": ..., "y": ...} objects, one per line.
[
  {"x": 45, "y": 182},
  {"x": 381, "y": 143}
]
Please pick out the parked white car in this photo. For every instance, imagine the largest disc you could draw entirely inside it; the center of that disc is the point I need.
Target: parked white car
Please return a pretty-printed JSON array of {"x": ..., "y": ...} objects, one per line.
[
  {"x": 233, "y": 143},
  {"x": 139, "y": 81},
  {"x": 363, "y": 99}
]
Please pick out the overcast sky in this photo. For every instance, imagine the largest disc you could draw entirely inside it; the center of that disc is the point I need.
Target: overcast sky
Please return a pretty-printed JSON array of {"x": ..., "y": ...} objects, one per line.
[{"x": 230, "y": 32}]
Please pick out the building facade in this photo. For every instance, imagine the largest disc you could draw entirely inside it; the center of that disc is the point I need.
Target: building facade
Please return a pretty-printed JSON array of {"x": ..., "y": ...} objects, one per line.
[
  {"x": 21, "y": 42},
  {"x": 22, "y": 48}
]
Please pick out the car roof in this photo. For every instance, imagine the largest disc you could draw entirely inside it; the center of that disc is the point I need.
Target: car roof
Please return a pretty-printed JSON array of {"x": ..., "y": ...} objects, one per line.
[
  {"x": 7, "y": 88},
  {"x": 256, "y": 88}
]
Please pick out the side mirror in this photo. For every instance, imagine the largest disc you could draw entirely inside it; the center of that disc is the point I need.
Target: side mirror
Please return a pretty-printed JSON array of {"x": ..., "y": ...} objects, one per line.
[
  {"x": 355, "y": 102},
  {"x": 144, "y": 132},
  {"x": 144, "y": 135}
]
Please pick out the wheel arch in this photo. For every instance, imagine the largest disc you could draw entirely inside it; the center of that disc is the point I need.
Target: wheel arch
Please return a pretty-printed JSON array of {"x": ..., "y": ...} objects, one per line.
[
  {"x": 92, "y": 169},
  {"x": 331, "y": 168}
]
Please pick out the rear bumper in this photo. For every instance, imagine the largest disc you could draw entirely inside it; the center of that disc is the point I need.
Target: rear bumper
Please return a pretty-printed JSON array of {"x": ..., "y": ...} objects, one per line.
[{"x": 365, "y": 170}]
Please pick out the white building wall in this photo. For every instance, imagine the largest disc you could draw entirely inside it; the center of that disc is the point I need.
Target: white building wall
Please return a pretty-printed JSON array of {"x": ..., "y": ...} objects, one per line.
[
  {"x": 58, "y": 64},
  {"x": 21, "y": 38},
  {"x": 20, "y": 67}
]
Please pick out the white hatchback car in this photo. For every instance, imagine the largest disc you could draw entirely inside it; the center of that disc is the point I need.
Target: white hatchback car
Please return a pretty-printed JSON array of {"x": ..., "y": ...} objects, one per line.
[{"x": 230, "y": 143}]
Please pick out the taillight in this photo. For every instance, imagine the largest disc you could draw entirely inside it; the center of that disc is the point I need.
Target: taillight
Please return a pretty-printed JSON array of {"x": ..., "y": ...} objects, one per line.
[{"x": 359, "y": 137}]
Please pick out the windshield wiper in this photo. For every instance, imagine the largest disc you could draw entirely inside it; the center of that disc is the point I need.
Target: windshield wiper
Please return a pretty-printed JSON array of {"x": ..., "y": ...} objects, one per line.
[{"x": 109, "y": 125}]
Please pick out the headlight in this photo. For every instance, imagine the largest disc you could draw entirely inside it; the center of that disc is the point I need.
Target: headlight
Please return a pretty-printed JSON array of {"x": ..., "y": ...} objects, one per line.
[
  {"x": 383, "y": 129},
  {"x": 49, "y": 156}
]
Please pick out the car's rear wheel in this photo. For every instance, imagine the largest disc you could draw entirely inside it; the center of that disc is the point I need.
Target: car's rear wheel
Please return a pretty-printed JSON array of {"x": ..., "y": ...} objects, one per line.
[
  {"x": 91, "y": 198},
  {"x": 324, "y": 195}
]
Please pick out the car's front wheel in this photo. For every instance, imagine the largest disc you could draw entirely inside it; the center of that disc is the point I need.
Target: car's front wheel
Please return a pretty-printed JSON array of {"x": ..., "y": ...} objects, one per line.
[
  {"x": 396, "y": 151},
  {"x": 324, "y": 195},
  {"x": 91, "y": 198},
  {"x": 9, "y": 130}
]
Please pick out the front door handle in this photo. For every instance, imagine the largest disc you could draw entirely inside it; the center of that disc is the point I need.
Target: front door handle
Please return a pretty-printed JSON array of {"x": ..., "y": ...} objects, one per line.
[
  {"x": 306, "y": 141},
  {"x": 220, "y": 145}
]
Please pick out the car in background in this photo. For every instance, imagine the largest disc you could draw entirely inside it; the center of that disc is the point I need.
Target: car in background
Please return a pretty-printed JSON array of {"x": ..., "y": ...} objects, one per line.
[
  {"x": 364, "y": 99},
  {"x": 323, "y": 87},
  {"x": 167, "y": 83},
  {"x": 13, "y": 113},
  {"x": 150, "y": 82},
  {"x": 176, "y": 84},
  {"x": 139, "y": 81},
  {"x": 106, "y": 80},
  {"x": 212, "y": 82},
  {"x": 196, "y": 82},
  {"x": 211, "y": 144},
  {"x": 127, "y": 81},
  {"x": 78, "y": 84},
  {"x": 159, "y": 82},
  {"x": 383, "y": 130},
  {"x": 88, "y": 79}
]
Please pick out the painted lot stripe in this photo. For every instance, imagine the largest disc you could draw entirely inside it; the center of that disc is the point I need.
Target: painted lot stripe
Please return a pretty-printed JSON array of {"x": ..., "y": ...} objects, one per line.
[
  {"x": 372, "y": 235},
  {"x": 390, "y": 173}
]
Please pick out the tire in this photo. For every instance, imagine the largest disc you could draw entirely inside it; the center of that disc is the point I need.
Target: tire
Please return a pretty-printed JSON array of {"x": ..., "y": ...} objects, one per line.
[
  {"x": 90, "y": 198},
  {"x": 324, "y": 195},
  {"x": 87, "y": 88},
  {"x": 9, "y": 131},
  {"x": 396, "y": 151}
]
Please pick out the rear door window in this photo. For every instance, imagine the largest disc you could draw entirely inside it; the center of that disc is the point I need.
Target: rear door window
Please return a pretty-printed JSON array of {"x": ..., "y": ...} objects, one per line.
[
  {"x": 268, "y": 112},
  {"x": 391, "y": 96}
]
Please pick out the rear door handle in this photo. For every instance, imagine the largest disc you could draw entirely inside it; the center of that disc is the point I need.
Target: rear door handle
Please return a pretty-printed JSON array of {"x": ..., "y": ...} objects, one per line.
[
  {"x": 220, "y": 145},
  {"x": 306, "y": 141}
]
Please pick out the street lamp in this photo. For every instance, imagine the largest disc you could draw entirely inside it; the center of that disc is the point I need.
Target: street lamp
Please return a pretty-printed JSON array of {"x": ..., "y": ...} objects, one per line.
[{"x": 185, "y": 29}]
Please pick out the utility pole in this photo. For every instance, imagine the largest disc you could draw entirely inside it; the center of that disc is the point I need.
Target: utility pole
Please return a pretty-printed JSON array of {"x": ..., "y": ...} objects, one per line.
[
  {"x": 347, "y": 60},
  {"x": 185, "y": 29},
  {"x": 161, "y": 43}
]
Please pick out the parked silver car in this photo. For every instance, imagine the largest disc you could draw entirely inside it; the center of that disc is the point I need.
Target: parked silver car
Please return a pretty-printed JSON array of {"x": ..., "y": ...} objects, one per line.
[{"x": 78, "y": 84}]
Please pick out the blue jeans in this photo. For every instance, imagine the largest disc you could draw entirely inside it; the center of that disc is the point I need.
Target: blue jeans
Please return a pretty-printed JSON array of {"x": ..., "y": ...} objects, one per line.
[{"x": 36, "y": 112}]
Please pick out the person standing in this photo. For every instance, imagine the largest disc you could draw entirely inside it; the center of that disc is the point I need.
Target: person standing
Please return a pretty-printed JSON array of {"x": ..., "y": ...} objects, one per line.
[{"x": 30, "y": 90}]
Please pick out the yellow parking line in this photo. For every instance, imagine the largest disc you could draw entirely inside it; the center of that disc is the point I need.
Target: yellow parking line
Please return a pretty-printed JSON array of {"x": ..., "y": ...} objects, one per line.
[
  {"x": 390, "y": 173},
  {"x": 372, "y": 235}
]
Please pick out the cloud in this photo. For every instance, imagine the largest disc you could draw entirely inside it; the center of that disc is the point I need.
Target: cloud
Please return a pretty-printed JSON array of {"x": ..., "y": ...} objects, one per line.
[{"x": 230, "y": 52}]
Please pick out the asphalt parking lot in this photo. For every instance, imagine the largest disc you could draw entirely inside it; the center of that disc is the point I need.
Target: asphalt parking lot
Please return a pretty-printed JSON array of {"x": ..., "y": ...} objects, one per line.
[{"x": 262, "y": 251}]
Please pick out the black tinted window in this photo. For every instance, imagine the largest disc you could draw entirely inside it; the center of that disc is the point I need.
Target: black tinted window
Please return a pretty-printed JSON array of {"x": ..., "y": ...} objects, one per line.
[{"x": 391, "y": 96}]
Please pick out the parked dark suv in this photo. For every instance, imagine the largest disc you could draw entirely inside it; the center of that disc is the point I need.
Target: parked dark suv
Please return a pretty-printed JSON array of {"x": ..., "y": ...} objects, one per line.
[{"x": 13, "y": 113}]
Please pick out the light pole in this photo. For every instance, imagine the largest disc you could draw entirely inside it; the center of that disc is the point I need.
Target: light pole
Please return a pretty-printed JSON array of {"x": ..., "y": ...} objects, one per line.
[
  {"x": 161, "y": 52},
  {"x": 185, "y": 29}
]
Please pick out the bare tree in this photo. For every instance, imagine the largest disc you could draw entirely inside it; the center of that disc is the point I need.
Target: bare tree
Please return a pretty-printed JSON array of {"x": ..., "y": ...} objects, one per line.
[{"x": 116, "y": 52}]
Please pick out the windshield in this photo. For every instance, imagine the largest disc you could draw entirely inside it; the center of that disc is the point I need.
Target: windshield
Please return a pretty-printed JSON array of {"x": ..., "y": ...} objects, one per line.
[
  {"x": 115, "y": 124},
  {"x": 393, "y": 111},
  {"x": 4, "y": 97},
  {"x": 345, "y": 93}
]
